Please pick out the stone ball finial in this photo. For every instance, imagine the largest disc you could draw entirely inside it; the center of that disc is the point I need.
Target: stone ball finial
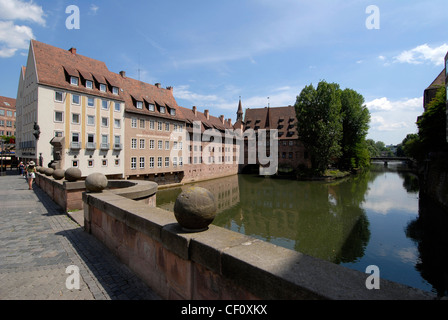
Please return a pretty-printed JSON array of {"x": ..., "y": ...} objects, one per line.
[
  {"x": 195, "y": 208},
  {"x": 58, "y": 174},
  {"x": 72, "y": 174},
  {"x": 48, "y": 172},
  {"x": 96, "y": 182}
]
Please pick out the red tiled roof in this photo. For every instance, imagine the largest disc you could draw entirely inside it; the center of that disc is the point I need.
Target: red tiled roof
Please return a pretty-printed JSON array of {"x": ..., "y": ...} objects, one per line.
[
  {"x": 6, "y": 102},
  {"x": 281, "y": 118},
  {"x": 211, "y": 123},
  {"x": 55, "y": 65}
]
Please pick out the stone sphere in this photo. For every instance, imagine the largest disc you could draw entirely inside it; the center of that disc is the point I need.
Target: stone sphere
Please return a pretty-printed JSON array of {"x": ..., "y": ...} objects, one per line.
[
  {"x": 96, "y": 182},
  {"x": 195, "y": 208},
  {"x": 41, "y": 170},
  {"x": 72, "y": 174},
  {"x": 48, "y": 172},
  {"x": 59, "y": 174}
]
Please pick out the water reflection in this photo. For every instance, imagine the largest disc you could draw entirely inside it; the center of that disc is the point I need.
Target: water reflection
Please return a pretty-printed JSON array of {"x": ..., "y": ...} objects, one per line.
[{"x": 371, "y": 218}]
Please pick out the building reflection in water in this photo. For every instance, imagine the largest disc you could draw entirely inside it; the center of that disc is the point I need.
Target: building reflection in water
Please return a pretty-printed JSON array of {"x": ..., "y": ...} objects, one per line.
[{"x": 324, "y": 220}]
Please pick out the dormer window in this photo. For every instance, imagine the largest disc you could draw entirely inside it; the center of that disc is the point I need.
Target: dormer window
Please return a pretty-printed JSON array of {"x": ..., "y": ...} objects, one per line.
[
  {"x": 74, "y": 81},
  {"x": 89, "y": 84},
  {"x": 139, "y": 104},
  {"x": 173, "y": 112},
  {"x": 162, "y": 109},
  {"x": 102, "y": 87},
  {"x": 151, "y": 107},
  {"x": 115, "y": 90}
]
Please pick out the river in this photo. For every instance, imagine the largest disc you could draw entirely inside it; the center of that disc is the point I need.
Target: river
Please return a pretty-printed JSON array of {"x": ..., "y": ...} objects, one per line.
[{"x": 374, "y": 218}]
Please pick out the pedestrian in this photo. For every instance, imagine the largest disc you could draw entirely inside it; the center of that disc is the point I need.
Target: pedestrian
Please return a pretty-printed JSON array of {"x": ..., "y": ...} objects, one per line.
[
  {"x": 30, "y": 170},
  {"x": 21, "y": 167}
]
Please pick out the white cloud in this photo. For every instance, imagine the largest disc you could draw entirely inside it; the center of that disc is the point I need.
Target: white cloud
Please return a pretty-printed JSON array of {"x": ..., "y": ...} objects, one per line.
[
  {"x": 392, "y": 120},
  {"x": 19, "y": 10},
  {"x": 422, "y": 54},
  {"x": 13, "y": 38},
  {"x": 16, "y": 37}
]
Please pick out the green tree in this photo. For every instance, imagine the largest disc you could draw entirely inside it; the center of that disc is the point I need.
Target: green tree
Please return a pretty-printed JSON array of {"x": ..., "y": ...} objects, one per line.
[
  {"x": 355, "y": 124},
  {"x": 320, "y": 123},
  {"x": 432, "y": 124}
]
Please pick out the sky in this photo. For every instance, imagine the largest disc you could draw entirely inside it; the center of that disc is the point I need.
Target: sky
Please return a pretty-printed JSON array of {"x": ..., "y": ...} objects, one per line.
[{"x": 264, "y": 51}]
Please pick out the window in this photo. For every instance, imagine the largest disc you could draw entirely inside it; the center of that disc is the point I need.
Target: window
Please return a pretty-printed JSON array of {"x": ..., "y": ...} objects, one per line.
[
  {"x": 175, "y": 161},
  {"x": 117, "y": 123},
  {"x": 117, "y": 139},
  {"x": 160, "y": 145},
  {"x": 150, "y": 107},
  {"x": 142, "y": 162},
  {"x": 142, "y": 123},
  {"x": 175, "y": 145},
  {"x": 291, "y": 143},
  {"x": 102, "y": 87},
  {"x": 167, "y": 162},
  {"x": 117, "y": 162},
  {"x": 139, "y": 104},
  {"x": 134, "y": 143},
  {"x": 104, "y": 122},
  {"x": 151, "y": 124},
  {"x": 104, "y": 162},
  {"x": 151, "y": 162},
  {"x": 167, "y": 145},
  {"x": 90, "y": 163},
  {"x": 142, "y": 143},
  {"x": 75, "y": 163},
  {"x": 76, "y": 99},
  {"x": 90, "y": 137},
  {"x": 159, "y": 125},
  {"x": 74, "y": 81},
  {"x": 133, "y": 163},
  {"x": 58, "y": 96},
  {"x": 167, "y": 126},
  {"x": 181, "y": 127},
  {"x": 175, "y": 127},
  {"x": 104, "y": 105},
  {"x": 58, "y": 116},
  {"x": 75, "y": 118},
  {"x": 89, "y": 84},
  {"x": 58, "y": 134},
  {"x": 172, "y": 112},
  {"x": 104, "y": 139},
  {"x": 117, "y": 107},
  {"x": 115, "y": 90},
  {"x": 181, "y": 163},
  {"x": 2, "y": 112},
  {"x": 159, "y": 162},
  {"x": 90, "y": 102},
  {"x": 133, "y": 122},
  {"x": 162, "y": 109},
  {"x": 151, "y": 144}
]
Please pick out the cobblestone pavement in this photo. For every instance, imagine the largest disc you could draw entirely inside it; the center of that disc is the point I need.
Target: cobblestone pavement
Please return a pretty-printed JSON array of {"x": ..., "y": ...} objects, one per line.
[{"x": 38, "y": 241}]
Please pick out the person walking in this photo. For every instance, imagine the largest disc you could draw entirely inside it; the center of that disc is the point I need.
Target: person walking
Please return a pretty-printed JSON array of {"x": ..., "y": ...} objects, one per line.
[
  {"x": 21, "y": 167},
  {"x": 31, "y": 170}
]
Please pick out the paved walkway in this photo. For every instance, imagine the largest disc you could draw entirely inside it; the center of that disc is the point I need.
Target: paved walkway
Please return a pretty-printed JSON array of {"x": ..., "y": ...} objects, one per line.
[{"x": 38, "y": 241}]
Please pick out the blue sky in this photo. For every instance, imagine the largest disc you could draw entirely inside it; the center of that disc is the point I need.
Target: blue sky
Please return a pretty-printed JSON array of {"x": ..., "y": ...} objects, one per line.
[{"x": 213, "y": 52}]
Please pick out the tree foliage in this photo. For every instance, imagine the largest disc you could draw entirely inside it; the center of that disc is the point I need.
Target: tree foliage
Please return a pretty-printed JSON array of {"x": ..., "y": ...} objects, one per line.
[
  {"x": 320, "y": 123},
  {"x": 333, "y": 124},
  {"x": 432, "y": 125}
]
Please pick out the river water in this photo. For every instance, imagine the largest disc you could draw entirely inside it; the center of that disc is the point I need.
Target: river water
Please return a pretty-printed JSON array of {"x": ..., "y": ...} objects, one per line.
[{"x": 374, "y": 218}]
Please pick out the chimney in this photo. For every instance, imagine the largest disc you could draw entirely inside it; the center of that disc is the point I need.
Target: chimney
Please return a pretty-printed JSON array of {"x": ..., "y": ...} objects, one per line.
[
  {"x": 194, "y": 111},
  {"x": 72, "y": 50},
  {"x": 158, "y": 85},
  {"x": 169, "y": 88},
  {"x": 206, "y": 114},
  {"x": 229, "y": 121},
  {"x": 123, "y": 74},
  {"x": 221, "y": 117}
]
